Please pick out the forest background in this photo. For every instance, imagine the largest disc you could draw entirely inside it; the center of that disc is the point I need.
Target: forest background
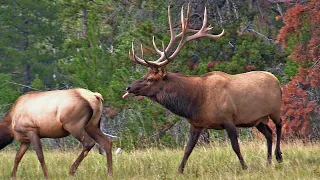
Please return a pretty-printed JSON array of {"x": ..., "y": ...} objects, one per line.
[{"x": 62, "y": 44}]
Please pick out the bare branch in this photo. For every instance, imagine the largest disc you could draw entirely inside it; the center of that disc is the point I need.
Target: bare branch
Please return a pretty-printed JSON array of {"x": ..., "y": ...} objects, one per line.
[
  {"x": 268, "y": 39},
  {"x": 235, "y": 9},
  {"x": 281, "y": 1},
  {"x": 22, "y": 85},
  {"x": 315, "y": 63},
  {"x": 163, "y": 131}
]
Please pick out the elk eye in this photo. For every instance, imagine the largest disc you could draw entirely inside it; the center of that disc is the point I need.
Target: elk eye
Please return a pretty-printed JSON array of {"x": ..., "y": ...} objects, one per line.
[{"x": 149, "y": 80}]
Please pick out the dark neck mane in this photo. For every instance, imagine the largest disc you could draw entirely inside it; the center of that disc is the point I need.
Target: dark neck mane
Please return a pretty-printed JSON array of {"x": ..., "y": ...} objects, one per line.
[{"x": 180, "y": 94}]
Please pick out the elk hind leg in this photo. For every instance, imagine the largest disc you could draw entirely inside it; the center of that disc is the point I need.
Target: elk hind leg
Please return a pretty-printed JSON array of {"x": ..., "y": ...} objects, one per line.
[
  {"x": 87, "y": 144},
  {"x": 95, "y": 133},
  {"x": 233, "y": 136},
  {"x": 23, "y": 148},
  {"x": 267, "y": 132},
  {"x": 194, "y": 136},
  {"x": 278, "y": 122}
]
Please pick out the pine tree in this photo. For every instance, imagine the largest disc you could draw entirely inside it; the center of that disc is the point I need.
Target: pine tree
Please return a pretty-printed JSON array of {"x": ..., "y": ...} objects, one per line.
[{"x": 28, "y": 40}]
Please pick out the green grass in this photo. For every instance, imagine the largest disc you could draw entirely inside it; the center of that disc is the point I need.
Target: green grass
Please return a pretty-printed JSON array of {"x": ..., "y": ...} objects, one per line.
[{"x": 217, "y": 161}]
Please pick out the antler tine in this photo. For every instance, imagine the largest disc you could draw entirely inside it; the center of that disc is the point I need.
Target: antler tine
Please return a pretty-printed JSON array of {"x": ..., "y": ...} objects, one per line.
[
  {"x": 188, "y": 17},
  {"x": 164, "y": 59},
  {"x": 141, "y": 49},
  {"x": 185, "y": 21},
  {"x": 155, "y": 46},
  {"x": 200, "y": 33},
  {"x": 172, "y": 34},
  {"x": 162, "y": 53},
  {"x": 173, "y": 39},
  {"x": 163, "y": 47},
  {"x": 204, "y": 29},
  {"x": 183, "y": 27},
  {"x": 205, "y": 19},
  {"x": 136, "y": 58}
]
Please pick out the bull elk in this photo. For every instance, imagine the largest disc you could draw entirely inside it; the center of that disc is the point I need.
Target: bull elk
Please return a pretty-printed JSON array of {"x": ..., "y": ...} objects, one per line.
[
  {"x": 215, "y": 100},
  {"x": 55, "y": 114}
]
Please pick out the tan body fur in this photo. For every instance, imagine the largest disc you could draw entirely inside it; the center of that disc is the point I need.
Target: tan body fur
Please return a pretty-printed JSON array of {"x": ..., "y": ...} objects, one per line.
[
  {"x": 243, "y": 99},
  {"x": 55, "y": 114}
]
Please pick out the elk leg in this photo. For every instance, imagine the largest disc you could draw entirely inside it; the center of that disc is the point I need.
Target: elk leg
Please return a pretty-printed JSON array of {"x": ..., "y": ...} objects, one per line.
[
  {"x": 36, "y": 143},
  {"x": 194, "y": 136},
  {"x": 278, "y": 122},
  {"x": 266, "y": 131},
  {"x": 233, "y": 136},
  {"x": 87, "y": 144},
  {"x": 278, "y": 152},
  {"x": 95, "y": 133},
  {"x": 23, "y": 148}
]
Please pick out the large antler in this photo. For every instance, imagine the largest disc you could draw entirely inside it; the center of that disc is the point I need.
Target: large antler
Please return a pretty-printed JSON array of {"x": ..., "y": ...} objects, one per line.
[{"x": 164, "y": 58}]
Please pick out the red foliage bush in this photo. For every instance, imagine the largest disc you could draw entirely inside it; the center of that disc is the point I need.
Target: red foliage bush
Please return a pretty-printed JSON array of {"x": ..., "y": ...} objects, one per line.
[
  {"x": 191, "y": 65},
  {"x": 249, "y": 68},
  {"x": 300, "y": 99},
  {"x": 110, "y": 112},
  {"x": 211, "y": 65}
]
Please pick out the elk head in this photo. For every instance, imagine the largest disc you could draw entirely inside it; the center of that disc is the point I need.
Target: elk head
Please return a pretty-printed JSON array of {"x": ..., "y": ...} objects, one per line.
[{"x": 156, "y": 78}]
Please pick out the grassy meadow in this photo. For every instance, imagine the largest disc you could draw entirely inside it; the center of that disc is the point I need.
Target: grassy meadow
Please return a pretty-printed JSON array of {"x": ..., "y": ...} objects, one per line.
[{"x": 217, "y": 161}]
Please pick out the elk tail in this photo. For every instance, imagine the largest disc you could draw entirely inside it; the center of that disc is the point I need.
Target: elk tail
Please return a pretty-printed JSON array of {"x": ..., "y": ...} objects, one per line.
[
  {"x": 94, "y": 101},
  {"x": 98, "y": 96}
]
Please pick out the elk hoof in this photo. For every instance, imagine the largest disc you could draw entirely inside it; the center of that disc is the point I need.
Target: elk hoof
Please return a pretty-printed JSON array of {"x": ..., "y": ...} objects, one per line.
[
  {"x": 72, "y": 172},
  {"x": 110, "y": 174},
  {"x": 279, "y": 156},
  {"x": 244, "y": 167},
  {"x": 180, "y": 171}
]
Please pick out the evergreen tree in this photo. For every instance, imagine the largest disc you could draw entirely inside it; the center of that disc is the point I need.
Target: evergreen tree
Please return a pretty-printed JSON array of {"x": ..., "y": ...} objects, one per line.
[{"x": 29, "y": 40}]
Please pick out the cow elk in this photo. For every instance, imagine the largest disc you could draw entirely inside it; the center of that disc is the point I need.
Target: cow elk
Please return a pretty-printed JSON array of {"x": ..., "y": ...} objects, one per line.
[
  {"x": 55, "y": 114},
  {"x": 215, "y": 100}
]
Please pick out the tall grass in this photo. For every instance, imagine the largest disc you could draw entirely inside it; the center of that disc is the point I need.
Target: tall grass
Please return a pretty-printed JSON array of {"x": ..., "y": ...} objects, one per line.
[{"x": 217, "y": 161}]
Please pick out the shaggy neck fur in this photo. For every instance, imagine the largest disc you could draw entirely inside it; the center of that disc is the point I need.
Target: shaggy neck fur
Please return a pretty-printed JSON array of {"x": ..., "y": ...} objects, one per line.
[
  {"x": 180, "y": 94},
  {"x": 6, "y": 137}
]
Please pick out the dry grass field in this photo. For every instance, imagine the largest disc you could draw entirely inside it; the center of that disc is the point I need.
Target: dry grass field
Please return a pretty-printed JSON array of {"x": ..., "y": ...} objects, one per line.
[{"x": 217, "y": 161}]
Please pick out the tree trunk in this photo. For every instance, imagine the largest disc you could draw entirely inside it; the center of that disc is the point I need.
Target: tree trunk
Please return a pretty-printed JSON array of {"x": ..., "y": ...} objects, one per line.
[
  {"x": 26, "y": 65},
  {"x": 27, "y": 76},
  {"x": 84, "y": 23}
]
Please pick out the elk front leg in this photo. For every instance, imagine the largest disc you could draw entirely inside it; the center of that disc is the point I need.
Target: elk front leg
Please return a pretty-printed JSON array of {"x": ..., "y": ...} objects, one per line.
[
  {"x": 194, "y": 136},
  {"x": 233, "y": 136},
  {"x": 23, "y": 148},
  {"x": 36, "y": 143}
]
